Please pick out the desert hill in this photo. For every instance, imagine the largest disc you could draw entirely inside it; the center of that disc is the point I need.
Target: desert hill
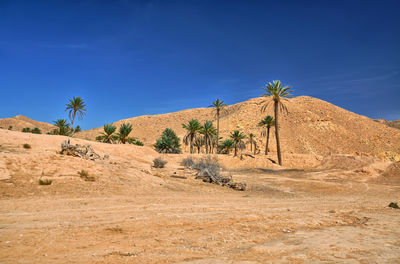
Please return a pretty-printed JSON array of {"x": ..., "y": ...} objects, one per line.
[
  {"x": 19, "y": 122},
  {"x": 394, "y": 123},
  {"x": 312, "y": 126}
]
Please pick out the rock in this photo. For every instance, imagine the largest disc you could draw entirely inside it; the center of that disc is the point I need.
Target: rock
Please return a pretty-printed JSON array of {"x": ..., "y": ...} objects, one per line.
[
  {"x": 238, "y": 186},
  {"x": 178, "y": 177}
]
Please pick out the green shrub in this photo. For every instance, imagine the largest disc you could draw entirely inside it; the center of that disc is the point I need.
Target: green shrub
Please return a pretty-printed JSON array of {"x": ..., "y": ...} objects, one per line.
[
  {"x": 138, "y": 142},
  {"x": 26, "y": 146},
  {"x": 10, "y": 127},
  {"x": 226, "y": 146},
  {"x": 394, "y": 205},
  {"x": 168, "y": 143},
  {"x": 36, "y": 130},
  {"x": 26, "y": 130}
]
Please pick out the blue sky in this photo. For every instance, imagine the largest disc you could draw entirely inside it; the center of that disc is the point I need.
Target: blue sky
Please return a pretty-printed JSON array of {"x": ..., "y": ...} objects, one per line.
[{"x": 130, "y": 58}]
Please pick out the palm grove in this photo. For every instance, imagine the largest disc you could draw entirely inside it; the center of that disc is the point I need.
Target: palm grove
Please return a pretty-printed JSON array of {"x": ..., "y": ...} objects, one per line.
[
  {"x": 206, "y": 136},
  {"x": 198, "y": 136}
]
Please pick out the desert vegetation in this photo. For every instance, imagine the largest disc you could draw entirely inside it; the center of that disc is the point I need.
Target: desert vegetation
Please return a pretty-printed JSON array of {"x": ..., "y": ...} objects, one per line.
[
  {"x": 63, "y": 128},
  {"x": 34, "y": 130},
  {"x": 75, "y": 107},
  {"x": 168, "y": 143},
  {"x": 277, "y": 93},
  {"x": 266, "y": 124},
  {"x": 219, "y": 108},
  {"x": 109, "y": 135},
  {"x": 159, "y": 163}
]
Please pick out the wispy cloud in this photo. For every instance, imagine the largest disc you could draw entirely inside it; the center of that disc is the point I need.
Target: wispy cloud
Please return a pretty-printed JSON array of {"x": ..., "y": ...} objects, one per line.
[{"x": 376, "y": 78}]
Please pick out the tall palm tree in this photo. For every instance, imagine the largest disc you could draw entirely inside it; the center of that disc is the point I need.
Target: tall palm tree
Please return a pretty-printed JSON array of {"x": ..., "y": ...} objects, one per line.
[
  {"x": 266, "y": 123},
  {"x": 277, "y": 93},
  {"x": 108, "y": 135},
  {"x": 219, "y": 108},
  {"x": 237, "y": 138},
  {"x": 193, "y": 127},
  {"x": 75, "y": 106},
  {"x": 208, "y": 131},
  {"x": 251, "y": 141},
  {"x": 123, "y": 134},
  {"x": 62, "y": 127}
]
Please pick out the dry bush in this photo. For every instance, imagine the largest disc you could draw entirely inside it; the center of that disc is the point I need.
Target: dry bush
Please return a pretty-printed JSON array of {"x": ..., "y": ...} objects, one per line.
[
  {"x": 210, "y": 163},
  {"x": 159, "y": 163},
  {"x": 188, "y": 162},
  {"x": 26, "y": 146},
  {"x": 45, "y": 182}
]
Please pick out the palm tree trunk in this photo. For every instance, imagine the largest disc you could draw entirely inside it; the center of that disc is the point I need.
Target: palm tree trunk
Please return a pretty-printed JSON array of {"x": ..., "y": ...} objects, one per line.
[
  {"x": 251, "y": 145},
  {"x": 278, "y": 145},
  {"x": 217, "y": 128},
  {"x": 266, "y": 145},
  {"x": 235, "y": 150},
  {"x": 72, "y": 121},
  {"x": 255, "y": 148},
  {"x": 191, "y": 145}
]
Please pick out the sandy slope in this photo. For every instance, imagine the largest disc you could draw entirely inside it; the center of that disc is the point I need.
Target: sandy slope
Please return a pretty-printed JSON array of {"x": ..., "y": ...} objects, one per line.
[
  {"x": 312, "y": 126},
  {"x": 19, "y": 122},
  {"x": 332, "y": 210}
]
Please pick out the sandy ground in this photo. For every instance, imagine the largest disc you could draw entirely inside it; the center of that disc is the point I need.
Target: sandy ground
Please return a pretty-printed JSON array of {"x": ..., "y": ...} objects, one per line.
[{"x": 334, "y": 211}]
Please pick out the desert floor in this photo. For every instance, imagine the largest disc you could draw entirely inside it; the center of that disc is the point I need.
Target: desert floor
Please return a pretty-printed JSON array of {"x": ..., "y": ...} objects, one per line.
[{"x": 143, "y": 215}]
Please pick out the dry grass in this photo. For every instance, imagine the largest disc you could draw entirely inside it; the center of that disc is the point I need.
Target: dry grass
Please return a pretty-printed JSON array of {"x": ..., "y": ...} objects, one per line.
[
  {"x": 115, "y": 229},
  {"x": 85, "y": 175}
]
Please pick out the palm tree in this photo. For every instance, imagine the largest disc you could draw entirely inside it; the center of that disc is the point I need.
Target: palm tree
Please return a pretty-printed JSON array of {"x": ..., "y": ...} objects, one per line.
[
  {"x": 168, "y": 143},
  {"x": 123, "y": 134},
  {"x": 267, "y": 123},
  {"x": 219, "y": 107},
  {"x": 63, "y": 128},
  {"x": 75, "y": 106},
  {"x": 193, "y": 127},
  {"x": 237, "y": 138},
  {"x": 251, "y": 141},
  {"x": 208, "y": 131},
  {"x": 226, "y": 146},
  {"x": 108, "y": 135},
  {"x": 277, "y": 93}
]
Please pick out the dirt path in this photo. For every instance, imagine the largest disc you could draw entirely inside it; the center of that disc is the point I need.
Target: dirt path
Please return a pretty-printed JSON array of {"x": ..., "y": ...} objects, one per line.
[{"x": 284, "y": 217}]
